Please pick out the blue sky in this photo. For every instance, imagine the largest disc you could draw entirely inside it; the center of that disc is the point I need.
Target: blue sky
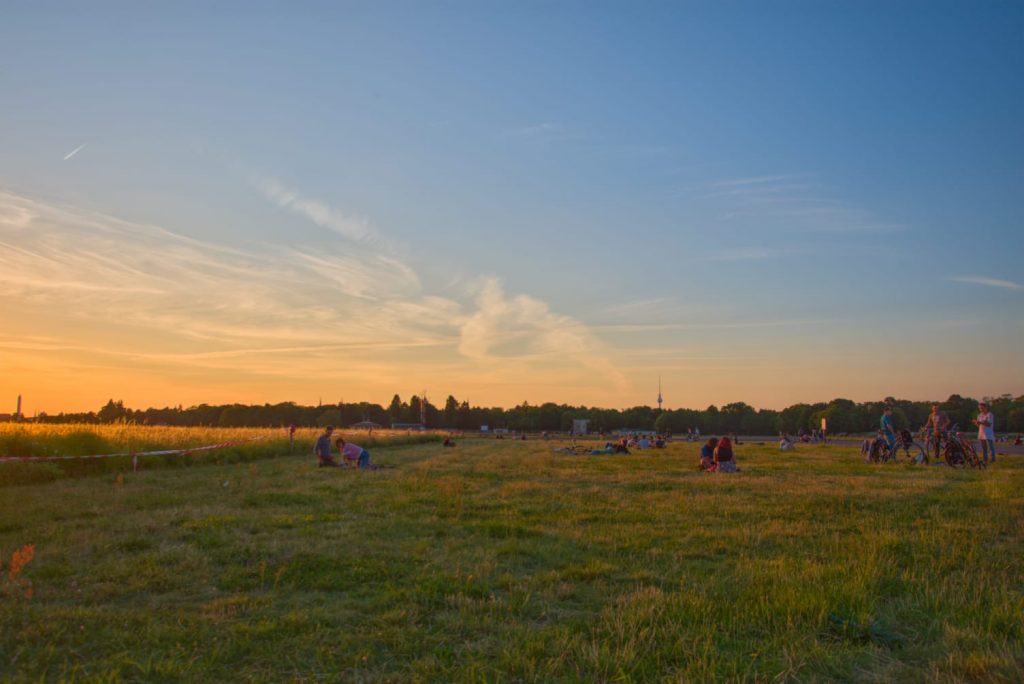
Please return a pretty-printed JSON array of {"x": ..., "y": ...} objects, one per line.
[{"x": 768, "y": 202}]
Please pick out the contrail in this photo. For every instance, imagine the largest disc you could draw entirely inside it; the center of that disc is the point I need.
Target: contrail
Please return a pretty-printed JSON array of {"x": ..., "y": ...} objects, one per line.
[{"x": 75, "y": 151}]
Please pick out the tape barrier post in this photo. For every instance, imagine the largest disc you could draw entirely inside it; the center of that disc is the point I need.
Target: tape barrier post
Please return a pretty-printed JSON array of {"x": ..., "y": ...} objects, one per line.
[{"x": 134, "y": 455}]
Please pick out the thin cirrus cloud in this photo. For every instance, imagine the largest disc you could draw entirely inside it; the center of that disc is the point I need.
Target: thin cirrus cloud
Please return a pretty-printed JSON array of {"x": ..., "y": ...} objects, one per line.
[
  {"x": 988, "y": 282},
  {"x": 323, "y": 215},
  {"x": 792, "y": 200},
  {"x": 147, "y": 297},
  {"x": 544, "y": 132},
  {"x": 747, "y": 254},
  {"x": 75, "y": 151}
]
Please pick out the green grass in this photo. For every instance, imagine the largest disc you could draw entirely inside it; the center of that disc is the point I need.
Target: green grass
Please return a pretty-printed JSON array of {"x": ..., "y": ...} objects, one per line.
[{"x": 500, "y": 561}]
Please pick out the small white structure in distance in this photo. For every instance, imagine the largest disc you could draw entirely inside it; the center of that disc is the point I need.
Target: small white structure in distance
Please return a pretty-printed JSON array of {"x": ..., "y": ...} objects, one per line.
[{"x": 579, "y": 426}]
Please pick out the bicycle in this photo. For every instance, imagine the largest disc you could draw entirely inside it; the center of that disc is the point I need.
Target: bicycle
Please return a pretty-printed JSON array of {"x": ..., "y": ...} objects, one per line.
[
  {"x": 880, "y": 451},
  {"x": 959, "y": 451}
]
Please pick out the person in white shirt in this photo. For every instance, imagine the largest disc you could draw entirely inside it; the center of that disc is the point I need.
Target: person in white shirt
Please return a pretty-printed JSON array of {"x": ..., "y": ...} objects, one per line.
[{"x": 986, "y": 431}]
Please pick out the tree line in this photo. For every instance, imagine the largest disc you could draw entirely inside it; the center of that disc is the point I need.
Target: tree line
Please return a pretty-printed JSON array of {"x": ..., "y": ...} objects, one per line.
[{"x": 842, "y": 415}]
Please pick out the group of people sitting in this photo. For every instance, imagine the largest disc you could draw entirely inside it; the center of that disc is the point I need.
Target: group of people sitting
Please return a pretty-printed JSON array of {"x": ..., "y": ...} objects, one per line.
[
  {"x": 645, "y": 442},
  {"x": 623, "y": 445},
  {"x": 716, "y": 456}
]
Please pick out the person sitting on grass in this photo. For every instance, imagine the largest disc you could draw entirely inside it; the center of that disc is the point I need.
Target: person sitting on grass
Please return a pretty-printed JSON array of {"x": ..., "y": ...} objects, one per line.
[
  {"x": 323, "y": 449},
  {"x": 707, "y": 455},
  {"x": 724, "y": 458},
  {"x": 621, "y": 446},
  {"x": 448, "y": 441},
  {"x": 354, "y": 453},
  {"x": 785, "y": 443}
]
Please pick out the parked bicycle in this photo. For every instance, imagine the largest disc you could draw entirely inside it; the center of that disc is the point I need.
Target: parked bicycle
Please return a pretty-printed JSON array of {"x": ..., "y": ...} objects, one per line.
[
  {"x": 959, "y": 451},
  {"x": 880, "y": 451}
]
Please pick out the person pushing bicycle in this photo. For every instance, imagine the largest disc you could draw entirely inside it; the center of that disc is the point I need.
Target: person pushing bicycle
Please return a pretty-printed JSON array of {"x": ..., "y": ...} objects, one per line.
[{"x": 936, "y": 426}]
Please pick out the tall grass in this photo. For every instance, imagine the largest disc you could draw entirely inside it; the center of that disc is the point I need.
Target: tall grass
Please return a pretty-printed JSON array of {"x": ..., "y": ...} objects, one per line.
[{"x": 248, "y": 444}]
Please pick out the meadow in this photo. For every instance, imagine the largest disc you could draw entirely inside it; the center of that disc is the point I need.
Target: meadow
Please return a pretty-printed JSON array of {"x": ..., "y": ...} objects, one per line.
[
  {"x": 502, "y": 561},
  {"x": 242, "y": 445}
]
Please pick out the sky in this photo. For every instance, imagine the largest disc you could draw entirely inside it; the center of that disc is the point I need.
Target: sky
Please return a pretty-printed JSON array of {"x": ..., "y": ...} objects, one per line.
[{"x": 769, "y": 202}]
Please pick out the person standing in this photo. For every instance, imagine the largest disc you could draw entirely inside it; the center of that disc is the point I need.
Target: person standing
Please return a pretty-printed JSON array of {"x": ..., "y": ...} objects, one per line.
[
  {"x": 937, "y": 424},
  {"x": 323, "y": 449},
  {"x": 888, "y": 431},
  {"x": 986, "y": 431}
]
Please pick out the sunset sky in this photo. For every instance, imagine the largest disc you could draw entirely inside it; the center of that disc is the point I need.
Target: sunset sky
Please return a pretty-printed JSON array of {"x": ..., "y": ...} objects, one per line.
[{"x": 767, "y": 202}]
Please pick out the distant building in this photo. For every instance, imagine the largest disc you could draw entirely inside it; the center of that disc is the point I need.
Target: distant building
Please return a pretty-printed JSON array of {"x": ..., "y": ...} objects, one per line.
[
  {"x": 631, "y": 431},
  {"x": 579, "y": 426},
  {"x": 408, "y": 426},
  {"x": 366, "y": 425}
]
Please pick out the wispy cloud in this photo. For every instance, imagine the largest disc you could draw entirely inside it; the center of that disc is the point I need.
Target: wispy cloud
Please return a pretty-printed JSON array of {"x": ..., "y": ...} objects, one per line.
[
  {"x": 545, "y": 131},
  {"x": 794, "y": 202},
  {"x": 143, "y": 298},
  {"x": 747, "y": 254},
  {"x": 704, "y": 325},
  {"x": 525, "y": 327},
  {"x": 320, "y": 213},
  {"x": 75, "y": 151},
  {"x": 988, "y": 282},
  {"x": 758, "y": 181}
]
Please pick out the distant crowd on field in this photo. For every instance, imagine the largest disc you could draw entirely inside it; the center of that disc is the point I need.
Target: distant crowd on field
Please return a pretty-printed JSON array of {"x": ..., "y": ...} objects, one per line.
[{"x": 716, "y": 454}]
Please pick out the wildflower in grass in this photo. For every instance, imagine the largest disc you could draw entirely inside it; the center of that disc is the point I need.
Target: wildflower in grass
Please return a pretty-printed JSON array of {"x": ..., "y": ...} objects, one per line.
[{"x": 19, "y": 559}]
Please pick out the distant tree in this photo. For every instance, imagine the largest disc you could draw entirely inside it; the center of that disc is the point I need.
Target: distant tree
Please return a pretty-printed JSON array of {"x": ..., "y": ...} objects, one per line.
[
  {"x": 733, "y": 416},
  {"x": 396, "y": 409},
  {"x": 1015, "y": 420},
  {"x": 412, "y": 411},
  {"x": 329, "y": 417},
  {"x": 961, "y": 410},
  {"x": 710, "y": 421},
  {"x": 112, "y": 411}
]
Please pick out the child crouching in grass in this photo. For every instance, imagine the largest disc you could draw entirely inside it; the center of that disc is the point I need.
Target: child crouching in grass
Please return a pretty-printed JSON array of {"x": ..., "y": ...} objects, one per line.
[{"x": 353, "y": 453}]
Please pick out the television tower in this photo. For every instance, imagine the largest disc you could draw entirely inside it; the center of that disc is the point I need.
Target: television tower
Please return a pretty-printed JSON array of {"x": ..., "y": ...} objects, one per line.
[{"x": 659, "y": 393}]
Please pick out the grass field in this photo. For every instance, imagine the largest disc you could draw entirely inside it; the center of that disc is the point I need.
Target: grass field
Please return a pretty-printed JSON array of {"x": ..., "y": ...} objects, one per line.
[
  {"x": 244, "y": 444},
  {"x": 500, "y": 561}
]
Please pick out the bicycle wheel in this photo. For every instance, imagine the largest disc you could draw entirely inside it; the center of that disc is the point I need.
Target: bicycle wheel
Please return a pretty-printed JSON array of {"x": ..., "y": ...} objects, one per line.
[
  {"x": 971, "y": 455},
  {"x": 879, "y": 452},
  {"x": 954, "y": 455}
]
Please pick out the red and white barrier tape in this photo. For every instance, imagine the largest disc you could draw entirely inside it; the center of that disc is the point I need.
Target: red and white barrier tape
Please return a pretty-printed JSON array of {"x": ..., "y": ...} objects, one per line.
[{"x": 133, "y": 454}]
